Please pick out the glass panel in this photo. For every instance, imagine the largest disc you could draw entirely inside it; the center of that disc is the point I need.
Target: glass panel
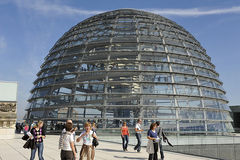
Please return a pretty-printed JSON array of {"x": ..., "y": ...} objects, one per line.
[
  {"x": 158, "y": 101},
  {"x": 70, "y": 59},
  {"x": 46, "y": 81},
  {"x": 209, "y": 92},
  {"x": 68, "y": 69},
  {"x": 179, "y": 59},
  {"x": 226, "y": 116},
  {"x": 62, "y": 90},
  {"x": 152, "y": 47},
  {"x": 92, "y": 77},
  {"x": 161, "y": 113},
  {"x": 157, "y": 89},
  {"x": 174, "y": 42},
  {"x": 214, "y": 126},
  {"x": 208, "y": 103},
  {"x": 177, "y": 50},
  {"x": 165, "y": 78},
  {"x": 125, "y": 47},
  {"x": 123, "y": 66},
  {"x": 190, "y": 114},
  {"x": 122, "y": 100},
  {"x": 154, "y": 57},
  {"x": 48, "y": 72},
  {"x": 42, "y": 92},
  {"x": 124, "y": 88},
  {"x": 93, "y": 67},
  {"x": 123, "y": 78},
  {"x": 189, "y": 102},
  {"x": 60, "y": 100},
  {"x": 195, "y": 53},
  {"x": 124, "y": 56},
  {"x": 186, "y": 90},
  {"x": 155, "y": 67},
  {"x": 95, "y": 48},
  {"x": 213, "y": 115},
  {"x": 186, "y": 79},
  {"x": 206, "y": 82},
  {"x": 95, "y": 56},
  {"x": 182, "y": 68},
  {"x": 191, "y": 125},
  {"x": 89, "y": 88},
  {"x": 66, "y": 78}
]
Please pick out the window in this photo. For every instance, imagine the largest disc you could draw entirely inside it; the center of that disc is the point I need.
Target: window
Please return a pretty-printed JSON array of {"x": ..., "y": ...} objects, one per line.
[{"x": 186, "y": 90}]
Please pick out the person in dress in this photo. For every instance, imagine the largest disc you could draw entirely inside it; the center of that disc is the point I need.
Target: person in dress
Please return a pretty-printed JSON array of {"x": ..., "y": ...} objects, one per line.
[
  {"x": 87, "y": 136},
  {"x": 125, "y": 136}
]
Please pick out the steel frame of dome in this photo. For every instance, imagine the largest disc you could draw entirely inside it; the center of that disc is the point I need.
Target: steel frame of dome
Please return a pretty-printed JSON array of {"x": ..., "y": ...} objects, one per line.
[{"x": 128, "y": 64}]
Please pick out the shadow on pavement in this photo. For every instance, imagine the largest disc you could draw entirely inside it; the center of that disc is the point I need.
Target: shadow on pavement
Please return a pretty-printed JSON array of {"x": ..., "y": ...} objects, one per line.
[
  {"x": 113, "y": 150},
  {"x": 130, "y": 157}
]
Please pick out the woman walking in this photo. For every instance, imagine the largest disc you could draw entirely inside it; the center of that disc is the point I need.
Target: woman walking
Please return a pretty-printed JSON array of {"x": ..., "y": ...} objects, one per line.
[
  {"x": 38, "y": 137},
  {"x": 87, "y": 148},
  {"x": 152, "y": 146},
  {"x": 68, "y": 151},
  {"x": 125, "y": 136}
]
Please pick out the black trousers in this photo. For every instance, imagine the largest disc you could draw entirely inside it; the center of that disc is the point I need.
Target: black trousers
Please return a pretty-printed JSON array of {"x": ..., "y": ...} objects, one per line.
[
  {"x": 161, "y": 150},
  {"x": 66, "y": 155},
  {"x": 155, "y": 155}
]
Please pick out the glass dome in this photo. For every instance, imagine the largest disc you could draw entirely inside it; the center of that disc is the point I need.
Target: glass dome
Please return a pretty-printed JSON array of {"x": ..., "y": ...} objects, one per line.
[{"x": 128, "y": 64}]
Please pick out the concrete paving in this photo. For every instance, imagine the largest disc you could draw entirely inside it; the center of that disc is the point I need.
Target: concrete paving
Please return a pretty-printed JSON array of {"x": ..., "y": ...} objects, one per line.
[{"x": 12, "y": 150}]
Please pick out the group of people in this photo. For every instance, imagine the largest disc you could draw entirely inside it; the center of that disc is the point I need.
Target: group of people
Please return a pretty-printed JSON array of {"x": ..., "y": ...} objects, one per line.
[
  {"x": 67, "y": 140},
  {"x": 67, "y": 145},
  {"x": 155, "y": 136}
]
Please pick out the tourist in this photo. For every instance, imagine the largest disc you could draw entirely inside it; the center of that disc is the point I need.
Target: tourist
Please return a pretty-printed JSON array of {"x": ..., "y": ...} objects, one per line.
[
  {"x": 64, "y": 132},
  {"x": 138, "y": 130},
  {"x": 68, "y": 151},
  {"x": 26, "y": 128},
  {"x": 161, "y": 136},
  {"x": 38, "y": 137},
  {"x": 125, "y": 136},
  {"x": 87, "y": 148},
  {"x": 94, "y": 128},
  {"x": 152, "y": 146}
]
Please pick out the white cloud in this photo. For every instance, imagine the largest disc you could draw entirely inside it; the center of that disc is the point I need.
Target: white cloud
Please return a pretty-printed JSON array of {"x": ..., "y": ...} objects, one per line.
[
  {"x": 195, "y": 11},
  {"x": 44, "y": 7}
]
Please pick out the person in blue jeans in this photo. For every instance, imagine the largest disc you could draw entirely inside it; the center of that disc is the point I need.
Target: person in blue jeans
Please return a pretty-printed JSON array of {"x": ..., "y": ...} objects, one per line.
[
  {"x": 125, "y": 134},
  {"x": 38, "y": 136},
  {"x": 138, "y": 130}
]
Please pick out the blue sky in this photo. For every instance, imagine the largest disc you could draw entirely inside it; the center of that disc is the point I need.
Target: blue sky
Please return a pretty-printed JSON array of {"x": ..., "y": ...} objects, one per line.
[{"x": 29, "y": 28}]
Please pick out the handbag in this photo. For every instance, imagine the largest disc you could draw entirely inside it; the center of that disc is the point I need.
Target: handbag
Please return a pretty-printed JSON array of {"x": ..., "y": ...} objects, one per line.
[
  {"x": 30, "y": 144},
  {"x": 25, "y": 137},
  {"x": 95, "y": 142}
]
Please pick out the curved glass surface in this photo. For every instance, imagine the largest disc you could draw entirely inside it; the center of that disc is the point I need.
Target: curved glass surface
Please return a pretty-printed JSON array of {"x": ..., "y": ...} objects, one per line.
[{"x": 128, "y": 64}]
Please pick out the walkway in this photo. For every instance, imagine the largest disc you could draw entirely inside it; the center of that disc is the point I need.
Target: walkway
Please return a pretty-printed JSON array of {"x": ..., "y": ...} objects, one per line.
[{"x": 12, "y": 150}]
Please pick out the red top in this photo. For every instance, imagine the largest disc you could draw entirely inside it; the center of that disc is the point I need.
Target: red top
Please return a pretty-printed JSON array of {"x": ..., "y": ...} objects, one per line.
[{"x": 124, "y": 131}]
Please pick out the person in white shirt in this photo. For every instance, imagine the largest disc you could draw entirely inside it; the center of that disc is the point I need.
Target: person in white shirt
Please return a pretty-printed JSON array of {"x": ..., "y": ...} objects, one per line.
[
  {"x": 138, "y": 130},
  {"x": 87, "y": 148},
  {"x": 68, "y": 149}
]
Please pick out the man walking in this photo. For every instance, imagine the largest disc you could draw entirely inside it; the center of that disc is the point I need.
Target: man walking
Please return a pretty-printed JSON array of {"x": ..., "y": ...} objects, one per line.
[
  {"x": 138, "y": 130},
  {"x": 161, "y": 136}
]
